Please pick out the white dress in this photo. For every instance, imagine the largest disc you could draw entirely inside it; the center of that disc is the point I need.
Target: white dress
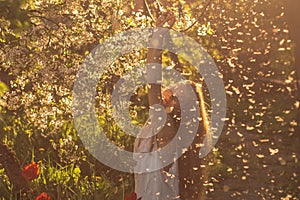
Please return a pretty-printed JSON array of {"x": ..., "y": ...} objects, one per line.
[{"x": 155, "y": 185}]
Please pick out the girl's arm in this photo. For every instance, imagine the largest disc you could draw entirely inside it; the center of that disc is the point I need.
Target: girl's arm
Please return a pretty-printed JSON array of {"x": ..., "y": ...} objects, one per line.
[{"x": 154, "y": 71}]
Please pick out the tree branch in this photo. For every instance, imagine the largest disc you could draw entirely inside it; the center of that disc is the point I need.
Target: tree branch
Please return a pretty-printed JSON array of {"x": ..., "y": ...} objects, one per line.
[{"x": 200, "y": 16}]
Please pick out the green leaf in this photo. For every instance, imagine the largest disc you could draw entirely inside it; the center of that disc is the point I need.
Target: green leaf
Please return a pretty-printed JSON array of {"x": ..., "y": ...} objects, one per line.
[{"x": 3, "y": 88}]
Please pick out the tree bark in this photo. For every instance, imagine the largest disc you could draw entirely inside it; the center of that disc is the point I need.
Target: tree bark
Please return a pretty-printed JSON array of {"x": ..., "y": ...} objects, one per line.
[
  {"x": 139, "y": 5},
  {"x": 13, "y": 169}
]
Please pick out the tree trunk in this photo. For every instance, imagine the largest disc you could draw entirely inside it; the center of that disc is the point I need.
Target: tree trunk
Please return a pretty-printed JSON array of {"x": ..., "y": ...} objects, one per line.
[
  {"x": 13, "y": 169},
  {"x": 139, "y": 5}
]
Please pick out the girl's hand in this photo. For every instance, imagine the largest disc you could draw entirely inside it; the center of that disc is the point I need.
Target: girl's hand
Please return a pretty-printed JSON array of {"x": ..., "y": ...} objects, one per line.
[{"x": 166, "y": 20}]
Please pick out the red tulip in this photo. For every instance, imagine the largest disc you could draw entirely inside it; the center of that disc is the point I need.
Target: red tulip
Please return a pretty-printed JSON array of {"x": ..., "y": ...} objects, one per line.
[
  {"x": 132, "y": 196},
  {"x": 43, "y": 196},
  {"x": 31, "y": 171}
]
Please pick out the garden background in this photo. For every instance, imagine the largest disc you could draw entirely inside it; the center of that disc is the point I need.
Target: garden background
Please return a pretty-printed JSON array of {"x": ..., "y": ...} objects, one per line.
[{"x": 43, "y": 43}]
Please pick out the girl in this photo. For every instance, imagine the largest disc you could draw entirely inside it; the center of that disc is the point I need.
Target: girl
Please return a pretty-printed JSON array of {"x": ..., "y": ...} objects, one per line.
[{"x": 183, "y": 179}]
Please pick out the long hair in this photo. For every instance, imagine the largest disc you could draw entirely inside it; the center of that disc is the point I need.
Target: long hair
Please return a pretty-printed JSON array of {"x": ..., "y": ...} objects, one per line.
[{"x": 192, "y": 170}]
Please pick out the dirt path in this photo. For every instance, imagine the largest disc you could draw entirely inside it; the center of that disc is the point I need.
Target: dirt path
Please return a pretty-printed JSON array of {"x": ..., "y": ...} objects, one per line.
[{"x": 256, "y": 166}]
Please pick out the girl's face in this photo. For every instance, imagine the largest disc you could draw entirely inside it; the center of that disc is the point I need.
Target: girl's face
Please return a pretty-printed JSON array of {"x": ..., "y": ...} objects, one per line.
[
  {"x": 169, "y": 100},
  {"x": 167, "y": 96}
]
